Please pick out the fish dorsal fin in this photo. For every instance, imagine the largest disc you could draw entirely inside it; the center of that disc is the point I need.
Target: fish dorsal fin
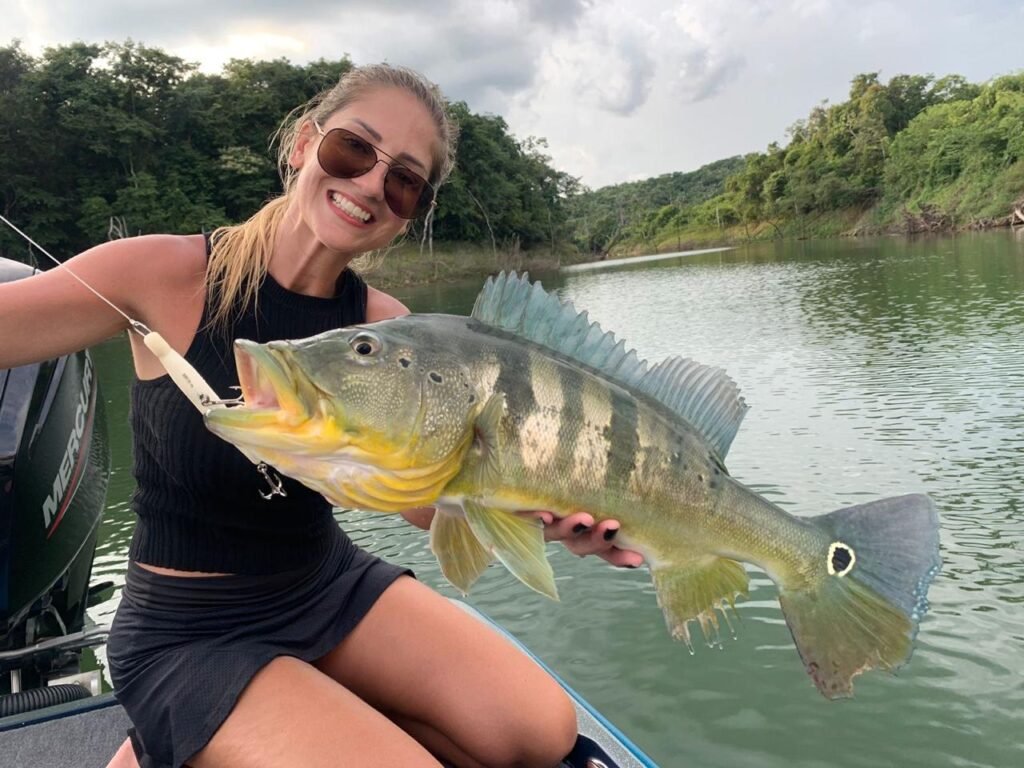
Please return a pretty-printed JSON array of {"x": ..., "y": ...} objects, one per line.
[{"x": 705, "y": 397}]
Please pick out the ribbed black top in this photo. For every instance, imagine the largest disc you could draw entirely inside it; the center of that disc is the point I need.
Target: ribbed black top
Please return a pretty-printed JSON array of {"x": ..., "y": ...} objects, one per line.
[{"x": 198, "y": 498}]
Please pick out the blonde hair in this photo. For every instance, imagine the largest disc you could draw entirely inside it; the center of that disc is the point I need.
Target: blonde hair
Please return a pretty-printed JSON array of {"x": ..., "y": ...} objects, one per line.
[{"x": 240, "y": 254}]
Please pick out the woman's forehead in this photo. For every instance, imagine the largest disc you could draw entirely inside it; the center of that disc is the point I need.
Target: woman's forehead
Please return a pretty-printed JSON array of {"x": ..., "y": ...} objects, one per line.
[{"x": 393, "y": 119}]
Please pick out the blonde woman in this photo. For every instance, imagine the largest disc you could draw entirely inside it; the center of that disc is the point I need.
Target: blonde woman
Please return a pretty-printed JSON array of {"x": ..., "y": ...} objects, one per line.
[{"x": 252, "y": 632}]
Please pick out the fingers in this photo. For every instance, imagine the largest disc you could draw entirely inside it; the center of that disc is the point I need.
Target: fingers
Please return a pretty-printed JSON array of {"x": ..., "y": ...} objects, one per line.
[
  {"x": 623, "y": 558},
  {"x": 570, "y": 528},
  {"x": 581, "y": 536},
  {"x": 592, "y": 539}
]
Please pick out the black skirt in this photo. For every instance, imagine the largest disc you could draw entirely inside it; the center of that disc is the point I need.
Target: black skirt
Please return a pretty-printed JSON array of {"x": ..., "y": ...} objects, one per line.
[{"x": 182, "y": 649}]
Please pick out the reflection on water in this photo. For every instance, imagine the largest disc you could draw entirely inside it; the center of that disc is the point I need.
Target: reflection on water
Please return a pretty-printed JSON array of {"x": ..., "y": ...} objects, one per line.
[{"x": 873, "y": 368}]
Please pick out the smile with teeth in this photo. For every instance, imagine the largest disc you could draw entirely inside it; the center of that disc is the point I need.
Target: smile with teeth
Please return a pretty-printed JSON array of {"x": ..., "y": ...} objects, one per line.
[{"x": 349, "y": 207}]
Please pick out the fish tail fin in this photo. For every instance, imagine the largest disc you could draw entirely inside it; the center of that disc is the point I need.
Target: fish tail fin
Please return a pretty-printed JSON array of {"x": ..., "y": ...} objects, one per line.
[
  {"x": 692, "y": 590},
  {"x": 862, "y": 609}
]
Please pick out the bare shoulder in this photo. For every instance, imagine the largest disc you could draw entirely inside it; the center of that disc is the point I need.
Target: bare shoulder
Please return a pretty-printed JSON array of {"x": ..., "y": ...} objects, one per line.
[
  {"x": 172, "y": 257},
  {"x": 157, "y": 279},
  {"x": 382, "y": 306},
  {"x": 135, "y": 269}
]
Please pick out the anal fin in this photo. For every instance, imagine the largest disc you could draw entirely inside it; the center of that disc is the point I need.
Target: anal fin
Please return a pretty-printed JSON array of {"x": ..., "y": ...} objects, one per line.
[
  {"x": 517, "y": 541},
  {"x": 692, "y": 590}
]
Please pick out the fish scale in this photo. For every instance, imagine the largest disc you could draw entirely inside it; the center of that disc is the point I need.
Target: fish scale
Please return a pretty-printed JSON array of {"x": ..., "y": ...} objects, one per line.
[{"x": 528, "y": 405}]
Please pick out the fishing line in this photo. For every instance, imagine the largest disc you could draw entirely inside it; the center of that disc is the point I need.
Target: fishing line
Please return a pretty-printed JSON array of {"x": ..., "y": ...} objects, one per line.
[
  {"x": 138, "y": 327},
  {"x": 187, "y": 379}
]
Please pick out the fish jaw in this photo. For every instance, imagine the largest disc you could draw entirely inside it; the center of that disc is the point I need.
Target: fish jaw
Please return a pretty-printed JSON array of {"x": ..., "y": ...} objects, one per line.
[
  {"x": 292, "y": 424},
  {"x": 267, "y": 381},
  {"x": 284, "y": 413}
]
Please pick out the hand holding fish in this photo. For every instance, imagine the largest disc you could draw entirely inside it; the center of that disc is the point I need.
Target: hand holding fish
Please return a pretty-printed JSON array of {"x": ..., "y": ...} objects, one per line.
[
  {"x": 582, "y": 537},
  {"x": 577, "y": 531}
]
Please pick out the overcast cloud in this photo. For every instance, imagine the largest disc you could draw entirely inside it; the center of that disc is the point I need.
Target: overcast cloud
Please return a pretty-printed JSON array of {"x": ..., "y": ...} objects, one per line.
[{"x": 622, "y": 89}]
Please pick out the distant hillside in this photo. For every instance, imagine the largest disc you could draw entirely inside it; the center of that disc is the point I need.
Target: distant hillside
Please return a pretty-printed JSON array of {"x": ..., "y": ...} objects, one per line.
[
  {"x": 603, "y": 217},
  {"x": 914, "y": 154}
]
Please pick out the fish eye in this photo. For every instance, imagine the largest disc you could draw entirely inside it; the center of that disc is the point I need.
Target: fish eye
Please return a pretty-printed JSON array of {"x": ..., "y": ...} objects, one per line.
[{"x": 365, "y": 345}]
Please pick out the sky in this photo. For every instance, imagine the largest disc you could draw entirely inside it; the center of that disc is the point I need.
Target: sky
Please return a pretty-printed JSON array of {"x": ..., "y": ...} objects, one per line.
[{"x": 620, "y": 89}]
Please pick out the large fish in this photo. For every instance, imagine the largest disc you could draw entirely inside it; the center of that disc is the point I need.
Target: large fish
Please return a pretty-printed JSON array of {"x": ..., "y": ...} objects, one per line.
[{"x": 528, "y": 405}]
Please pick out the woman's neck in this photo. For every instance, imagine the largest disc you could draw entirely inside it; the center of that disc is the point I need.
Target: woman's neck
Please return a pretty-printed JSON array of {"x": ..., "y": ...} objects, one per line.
[{"x": 301, "y": 263}]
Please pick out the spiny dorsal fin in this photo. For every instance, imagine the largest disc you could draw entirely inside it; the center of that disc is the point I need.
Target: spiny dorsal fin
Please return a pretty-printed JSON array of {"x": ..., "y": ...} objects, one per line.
[{"x": 706, "y": 397}]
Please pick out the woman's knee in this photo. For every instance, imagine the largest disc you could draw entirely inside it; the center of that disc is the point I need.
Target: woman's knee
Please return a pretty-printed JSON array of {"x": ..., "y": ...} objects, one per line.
[
  {"x": 125, "y": 757},
  {"x": 538, "y": 737}
]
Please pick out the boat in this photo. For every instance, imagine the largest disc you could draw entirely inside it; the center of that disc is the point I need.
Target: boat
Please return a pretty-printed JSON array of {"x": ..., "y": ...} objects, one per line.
[
  {"x": 54, "y": 469},
  {"x": 88, "y": 731}
]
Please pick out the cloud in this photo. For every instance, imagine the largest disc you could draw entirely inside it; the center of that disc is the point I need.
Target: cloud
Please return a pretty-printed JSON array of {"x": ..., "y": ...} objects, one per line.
[
  {"x": 484, "y": 54},
  {"x": 558, "y": 14},
  {"x": 702, "y": 74},
  {"x": 610, "y": 68},
  {"x": 691, "y": 81}
]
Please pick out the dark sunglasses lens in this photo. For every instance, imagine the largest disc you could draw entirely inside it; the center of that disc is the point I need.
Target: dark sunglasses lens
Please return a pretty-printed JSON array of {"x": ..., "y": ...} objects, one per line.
[
  {"x": 407, "y": 193},
  {"x": 345, "y": 155}
]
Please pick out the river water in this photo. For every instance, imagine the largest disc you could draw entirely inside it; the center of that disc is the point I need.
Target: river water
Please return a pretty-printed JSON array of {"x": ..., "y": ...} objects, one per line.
[{"x": 873, "y": 368}]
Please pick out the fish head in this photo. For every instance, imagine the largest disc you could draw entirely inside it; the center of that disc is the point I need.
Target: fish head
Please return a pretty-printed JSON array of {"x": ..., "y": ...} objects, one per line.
[{"x": 373, "y": 416}]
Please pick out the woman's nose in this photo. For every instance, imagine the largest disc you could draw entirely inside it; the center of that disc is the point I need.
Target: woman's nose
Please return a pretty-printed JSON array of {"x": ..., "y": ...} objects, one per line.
[{"x": 372, "y": 182}]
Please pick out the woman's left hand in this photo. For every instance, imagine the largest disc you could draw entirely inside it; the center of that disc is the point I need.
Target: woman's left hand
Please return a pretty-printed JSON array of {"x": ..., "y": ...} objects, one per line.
[{"x": 582, "y": 537}]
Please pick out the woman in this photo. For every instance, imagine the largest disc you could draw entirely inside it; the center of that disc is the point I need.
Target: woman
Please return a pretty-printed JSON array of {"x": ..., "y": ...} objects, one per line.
[{"x": 251, "y": 631}]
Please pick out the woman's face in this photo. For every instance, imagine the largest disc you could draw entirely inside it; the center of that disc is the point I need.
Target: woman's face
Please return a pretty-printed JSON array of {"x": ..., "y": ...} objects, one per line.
[{"x": 350, "y": 216}]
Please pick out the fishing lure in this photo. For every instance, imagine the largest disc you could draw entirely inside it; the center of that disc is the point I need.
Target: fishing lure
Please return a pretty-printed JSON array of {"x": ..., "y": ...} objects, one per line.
[{"x": 182, "y": 373}]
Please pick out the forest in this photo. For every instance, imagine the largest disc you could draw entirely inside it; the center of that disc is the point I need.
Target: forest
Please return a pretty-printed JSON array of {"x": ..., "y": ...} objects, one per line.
[
  {"x": 116, "y": 139},
  {"x": 914, "y": 154},
  {"x": 103, "y": 141}
]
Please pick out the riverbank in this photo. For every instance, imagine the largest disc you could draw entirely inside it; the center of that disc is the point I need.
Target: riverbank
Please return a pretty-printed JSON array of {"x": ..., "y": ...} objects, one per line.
[
  {"x": 876, "y": 220},
  {"x": 410, "y": 264}
]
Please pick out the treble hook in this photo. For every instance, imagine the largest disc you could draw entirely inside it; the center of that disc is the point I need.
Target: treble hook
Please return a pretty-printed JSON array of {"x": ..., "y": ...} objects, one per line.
[
  {"x": 276, "y": 486},
  {"x": 208, "y": 401}
]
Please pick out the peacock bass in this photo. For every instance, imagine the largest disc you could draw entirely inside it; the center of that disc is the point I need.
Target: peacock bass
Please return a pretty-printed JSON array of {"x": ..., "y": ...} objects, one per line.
[{"x": 526, "y": 404}]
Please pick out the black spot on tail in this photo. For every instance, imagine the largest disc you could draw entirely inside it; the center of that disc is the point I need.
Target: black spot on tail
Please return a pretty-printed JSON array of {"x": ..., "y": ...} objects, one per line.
[{"x": 841, "y": 559}]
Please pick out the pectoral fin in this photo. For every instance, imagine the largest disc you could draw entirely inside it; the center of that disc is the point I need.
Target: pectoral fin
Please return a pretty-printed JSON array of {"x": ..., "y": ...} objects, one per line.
[
  {"x": 517, "y": 541},
  {"x": 461, "y": 555},
  {"x": 488, "y": 443}
]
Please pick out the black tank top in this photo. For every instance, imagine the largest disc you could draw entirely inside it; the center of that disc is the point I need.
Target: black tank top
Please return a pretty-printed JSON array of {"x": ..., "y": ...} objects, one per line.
[{"x": 198, "y": 498}]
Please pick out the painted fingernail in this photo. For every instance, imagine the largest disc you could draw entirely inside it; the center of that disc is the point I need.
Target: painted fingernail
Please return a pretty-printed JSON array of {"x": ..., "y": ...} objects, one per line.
[
  {"x": 609, "y": 534},
  {"x": 580, "y": 528}
]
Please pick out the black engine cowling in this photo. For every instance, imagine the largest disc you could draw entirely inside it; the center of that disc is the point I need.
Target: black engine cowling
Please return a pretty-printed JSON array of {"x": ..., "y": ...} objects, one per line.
[{"x": 54, "y": 467}]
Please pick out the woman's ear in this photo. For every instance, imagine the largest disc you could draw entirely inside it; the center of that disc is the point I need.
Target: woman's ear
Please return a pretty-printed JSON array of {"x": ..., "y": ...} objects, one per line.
[{"x": 307, "y": 135}]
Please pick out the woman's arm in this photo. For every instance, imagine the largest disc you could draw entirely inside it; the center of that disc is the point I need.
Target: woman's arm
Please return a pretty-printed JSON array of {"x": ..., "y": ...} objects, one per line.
[{"x": 52, "y": 313}]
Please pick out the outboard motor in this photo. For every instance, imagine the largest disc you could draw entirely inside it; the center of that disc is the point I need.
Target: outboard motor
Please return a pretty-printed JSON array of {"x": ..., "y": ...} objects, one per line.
[{"x": 54, "y": 467}]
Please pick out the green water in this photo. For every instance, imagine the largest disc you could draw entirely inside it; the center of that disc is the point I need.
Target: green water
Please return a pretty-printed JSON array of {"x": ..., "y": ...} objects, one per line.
[{"x": 873, "y": 368}]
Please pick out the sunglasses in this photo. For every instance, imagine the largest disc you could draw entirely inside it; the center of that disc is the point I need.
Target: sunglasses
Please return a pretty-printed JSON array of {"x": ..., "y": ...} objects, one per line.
[{"x": 345, "y": 155}]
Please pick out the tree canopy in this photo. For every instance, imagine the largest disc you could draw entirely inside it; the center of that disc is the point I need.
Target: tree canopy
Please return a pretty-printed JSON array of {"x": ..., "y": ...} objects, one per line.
[
  {"x": 121, "y": 139},
  {"x": 916, "y": 152},
  {"x": 118, "y": 139}
]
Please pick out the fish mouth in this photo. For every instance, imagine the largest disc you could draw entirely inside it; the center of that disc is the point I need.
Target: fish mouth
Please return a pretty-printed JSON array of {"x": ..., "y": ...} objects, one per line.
[{"x": 272, "y": 393}]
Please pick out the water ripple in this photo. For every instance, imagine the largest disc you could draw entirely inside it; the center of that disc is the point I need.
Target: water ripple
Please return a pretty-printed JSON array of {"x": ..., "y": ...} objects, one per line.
[{"x": 874, "y": 368}]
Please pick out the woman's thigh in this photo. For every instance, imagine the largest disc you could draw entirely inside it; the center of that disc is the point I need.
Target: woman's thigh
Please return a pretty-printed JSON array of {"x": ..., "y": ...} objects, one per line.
[
  {"x": 291, "y": 715},
  {"x": 416, "y": 656}
]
